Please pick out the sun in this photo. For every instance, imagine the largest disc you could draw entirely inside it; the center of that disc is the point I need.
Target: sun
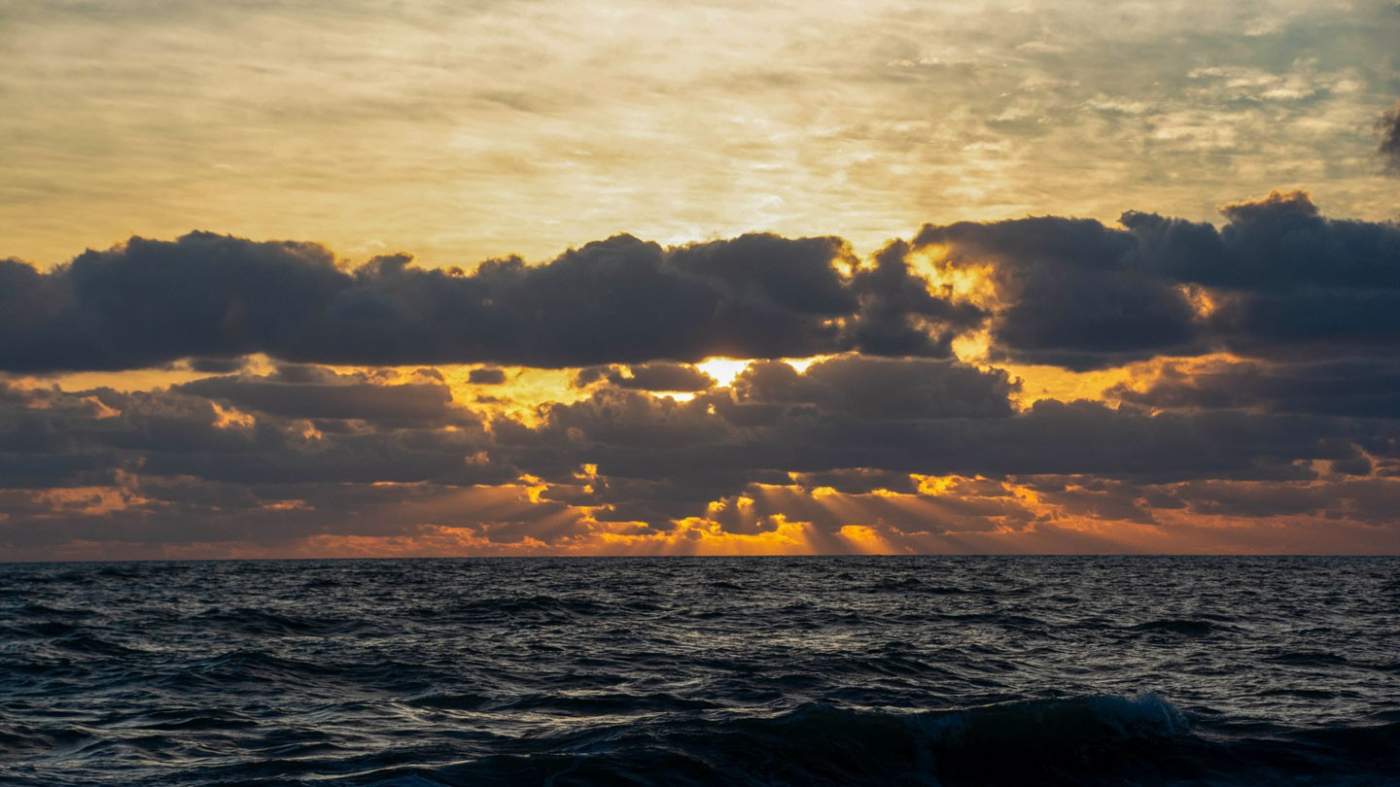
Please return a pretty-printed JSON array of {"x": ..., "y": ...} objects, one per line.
[{"x": 723, "y": 370}]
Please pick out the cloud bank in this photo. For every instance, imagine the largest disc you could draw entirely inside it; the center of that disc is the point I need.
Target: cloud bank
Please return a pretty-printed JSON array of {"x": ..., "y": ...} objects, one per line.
[
  {"x": 1277, "y": 278},
  {"x": 147, "y": 302},
  {"x": 1249, "y": 402}
]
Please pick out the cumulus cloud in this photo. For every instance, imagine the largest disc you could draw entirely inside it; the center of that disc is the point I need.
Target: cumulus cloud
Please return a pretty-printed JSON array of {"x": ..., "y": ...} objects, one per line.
[
  {"x": 622, "y": 300},
  {"x": 885, "y": 438},
  {"x": 1278, "y": 278},
  {"x": 1070, "y": 293},
  {"x": 898, "y": 313},
  {"x": 1283, "y": 278},
  {"x": 849, "y": 419},
  {"x": 306, "y": 452}
]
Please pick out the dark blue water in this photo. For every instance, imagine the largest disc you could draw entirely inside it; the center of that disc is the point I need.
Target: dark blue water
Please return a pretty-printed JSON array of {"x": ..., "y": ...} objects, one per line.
[{"x": 951, "y": 671}]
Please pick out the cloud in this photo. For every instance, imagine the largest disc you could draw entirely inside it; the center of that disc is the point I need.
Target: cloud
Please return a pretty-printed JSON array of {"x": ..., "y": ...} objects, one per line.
[
  {"x": 902, "y": 446},
  {"x": 1069, "y": 292},
  {"x": 878, "y": 439},
  {"x": 654, "y": 376},
  {"x": 1389, "y": 127},
  {"x": 1278, "y": 278},
  {"x": 898, "y": 313},
  {"x": 1283, "y": 278},
  {"x": 878, "y": 389},
  {"x": 314, "y": 393},
  {"x": 486, "y": 376},
  {"x": 870, "y": 417},
  {"x": 216, "y": 365},
  {"x": 290, "y": 433},
  {"x": 1279, "y": 243},
  {"x": 620, "y": 300},
  {"x": 150, "y": 302},
  {"x": 1349, "y": 387}
]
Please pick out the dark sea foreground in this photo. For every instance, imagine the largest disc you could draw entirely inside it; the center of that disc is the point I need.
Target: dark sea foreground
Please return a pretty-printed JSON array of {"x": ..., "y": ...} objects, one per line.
[{"x": 950, "y": 671}]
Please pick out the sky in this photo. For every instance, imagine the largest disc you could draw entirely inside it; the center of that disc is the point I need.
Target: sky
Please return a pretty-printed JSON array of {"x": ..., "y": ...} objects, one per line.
[{"x": 515, "y": 277}]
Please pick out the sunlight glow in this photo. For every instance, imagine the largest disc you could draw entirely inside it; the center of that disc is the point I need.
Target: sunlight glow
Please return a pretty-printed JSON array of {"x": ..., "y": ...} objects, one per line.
[
  {"x": 723, "y": 370},
  {"x": 865, "y": 539}
]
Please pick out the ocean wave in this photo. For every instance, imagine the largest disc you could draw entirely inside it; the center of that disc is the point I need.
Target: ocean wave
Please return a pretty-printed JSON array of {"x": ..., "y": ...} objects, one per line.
[
  {"x": 916, "y": 585},
  {"x": 535, "y": 609},
  {"x": 1186, "y": 628},
  {"x": 1089, "y": 740},
  {"x": 851, "y": 671},
  {"x": 261, "y": 622}
]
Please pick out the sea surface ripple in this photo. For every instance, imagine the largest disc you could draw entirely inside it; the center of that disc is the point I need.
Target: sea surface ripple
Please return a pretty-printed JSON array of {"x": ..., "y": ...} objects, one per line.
[{"x": 762, "y": 671}]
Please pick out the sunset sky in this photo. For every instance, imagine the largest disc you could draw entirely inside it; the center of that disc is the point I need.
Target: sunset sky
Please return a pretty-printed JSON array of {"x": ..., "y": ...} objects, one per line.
[{"x": 370, "y": 277}]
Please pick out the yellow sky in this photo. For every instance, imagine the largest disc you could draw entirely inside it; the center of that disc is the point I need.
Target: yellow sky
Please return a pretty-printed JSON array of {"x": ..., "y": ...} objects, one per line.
[{"x": 465, "y": 131}]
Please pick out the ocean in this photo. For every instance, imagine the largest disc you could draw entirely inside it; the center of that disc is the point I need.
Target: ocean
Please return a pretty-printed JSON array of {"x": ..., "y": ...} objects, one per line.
[{"x": 697, "y": 671}]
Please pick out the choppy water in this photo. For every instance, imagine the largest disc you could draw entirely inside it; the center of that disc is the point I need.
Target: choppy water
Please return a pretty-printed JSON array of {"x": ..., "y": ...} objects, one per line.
[{"x": 698, "y": 671}]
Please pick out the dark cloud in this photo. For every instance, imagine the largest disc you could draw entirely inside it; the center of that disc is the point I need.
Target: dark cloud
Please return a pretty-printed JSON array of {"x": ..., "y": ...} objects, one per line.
[
  {"x": 1360, "y": 388},
  {"x": 1277, "y": 279},
  {"x": 1389, "y": 126},
  {"x": 898, "y": 314},
  {"x": 620, "y": 300},
  {"x": 1369, "y": 500},
  {"x": 1284, "y": 280},
  {"x": 150, "y": 302},
  {"x": 1280, "y": 244},
  {"x": 86, "y": 437},
  {"x": 486, "y": 376},
  {"x": 1070, "y": 293},
  {"x": 654, "y": 376},
  {"x": 1086, "y": 319},
  {"x": 876, "y": 389},
  {"x": 858, "y": 480},
  {"x": 856, "y": 421},
  {"x": 307, "y": 450},
  {"x": 1067, "y": 438},
  {"x": 1094, "y": 498},
  {"x": 216, "y": 365},
  {"x": 310, "y": 392},
  {"x": 1303, "y": 420}
]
